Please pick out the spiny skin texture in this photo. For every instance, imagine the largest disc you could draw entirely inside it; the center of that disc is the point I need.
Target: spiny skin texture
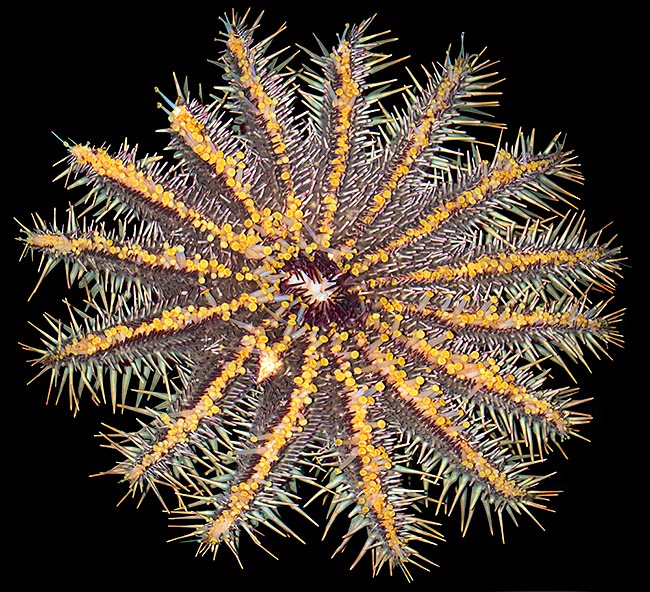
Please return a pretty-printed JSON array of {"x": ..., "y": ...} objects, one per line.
[{"x": 344, "y": 298}]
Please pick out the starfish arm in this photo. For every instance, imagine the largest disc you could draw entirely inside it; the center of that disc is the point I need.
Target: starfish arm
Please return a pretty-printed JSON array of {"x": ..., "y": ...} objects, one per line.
[
  {"x": 260, "y": 95},
  {"x": 139, "y": 344},
  {"x": 531, "y": 332},
  {"x": 414, "y": 138},
  {"x": 510, "y": 178},
  {"x": 267, "y": 459},
  {"x": 450, "y": 436}
]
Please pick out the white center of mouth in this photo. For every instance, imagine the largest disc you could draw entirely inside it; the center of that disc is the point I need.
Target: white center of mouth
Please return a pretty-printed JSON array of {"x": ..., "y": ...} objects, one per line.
[{"x": 313, "y": 290}]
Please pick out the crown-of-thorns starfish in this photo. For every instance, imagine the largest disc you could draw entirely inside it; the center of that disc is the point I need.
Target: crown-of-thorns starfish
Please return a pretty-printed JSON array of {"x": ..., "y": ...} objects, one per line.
[{"x": 347, "y": 297}]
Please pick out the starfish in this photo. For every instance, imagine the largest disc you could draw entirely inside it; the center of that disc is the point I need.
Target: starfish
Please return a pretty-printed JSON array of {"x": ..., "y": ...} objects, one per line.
[{"x": 348, "y": 298}]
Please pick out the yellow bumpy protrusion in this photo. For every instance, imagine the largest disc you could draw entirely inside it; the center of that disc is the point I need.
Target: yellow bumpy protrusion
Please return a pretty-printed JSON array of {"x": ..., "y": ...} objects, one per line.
[
  {"x": 490, "y": 317},
  {"x": 173, "y": 257},
  {"x": 266, "y": 111},
  {"x": 506, "y": 171},
  {"x": 228, "y": 168},
  {"x": 175, "y": 319},
  {"x": 374, "y": 459},
  {"x": 268, "y": 453},
  {"x": 131, "y": 179},
  {"x": 418, "y": 139},
  {"x": 484, "y": 375},
  {"x": 428, "y": 400},
  {"x": 180, "y": 429},
  {"x": 346, "y": 93},
  {"x": 502, "y": 264}
]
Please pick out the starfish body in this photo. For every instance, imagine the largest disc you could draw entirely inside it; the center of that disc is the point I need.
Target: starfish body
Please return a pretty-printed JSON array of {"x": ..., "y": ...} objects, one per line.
[{"x": 338, "y": 300}]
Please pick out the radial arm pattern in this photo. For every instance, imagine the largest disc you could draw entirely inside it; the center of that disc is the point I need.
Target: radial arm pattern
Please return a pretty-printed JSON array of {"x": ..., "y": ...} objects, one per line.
[{"x": 349, "y": 298}]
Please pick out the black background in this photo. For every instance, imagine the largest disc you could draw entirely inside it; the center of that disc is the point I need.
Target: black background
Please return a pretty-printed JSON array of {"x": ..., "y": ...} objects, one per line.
[{"x": 89, "y": 74}]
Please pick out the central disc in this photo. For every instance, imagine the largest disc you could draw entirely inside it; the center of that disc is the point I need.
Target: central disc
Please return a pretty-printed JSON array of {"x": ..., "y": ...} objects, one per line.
[{"x": 327, "y": 294}]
